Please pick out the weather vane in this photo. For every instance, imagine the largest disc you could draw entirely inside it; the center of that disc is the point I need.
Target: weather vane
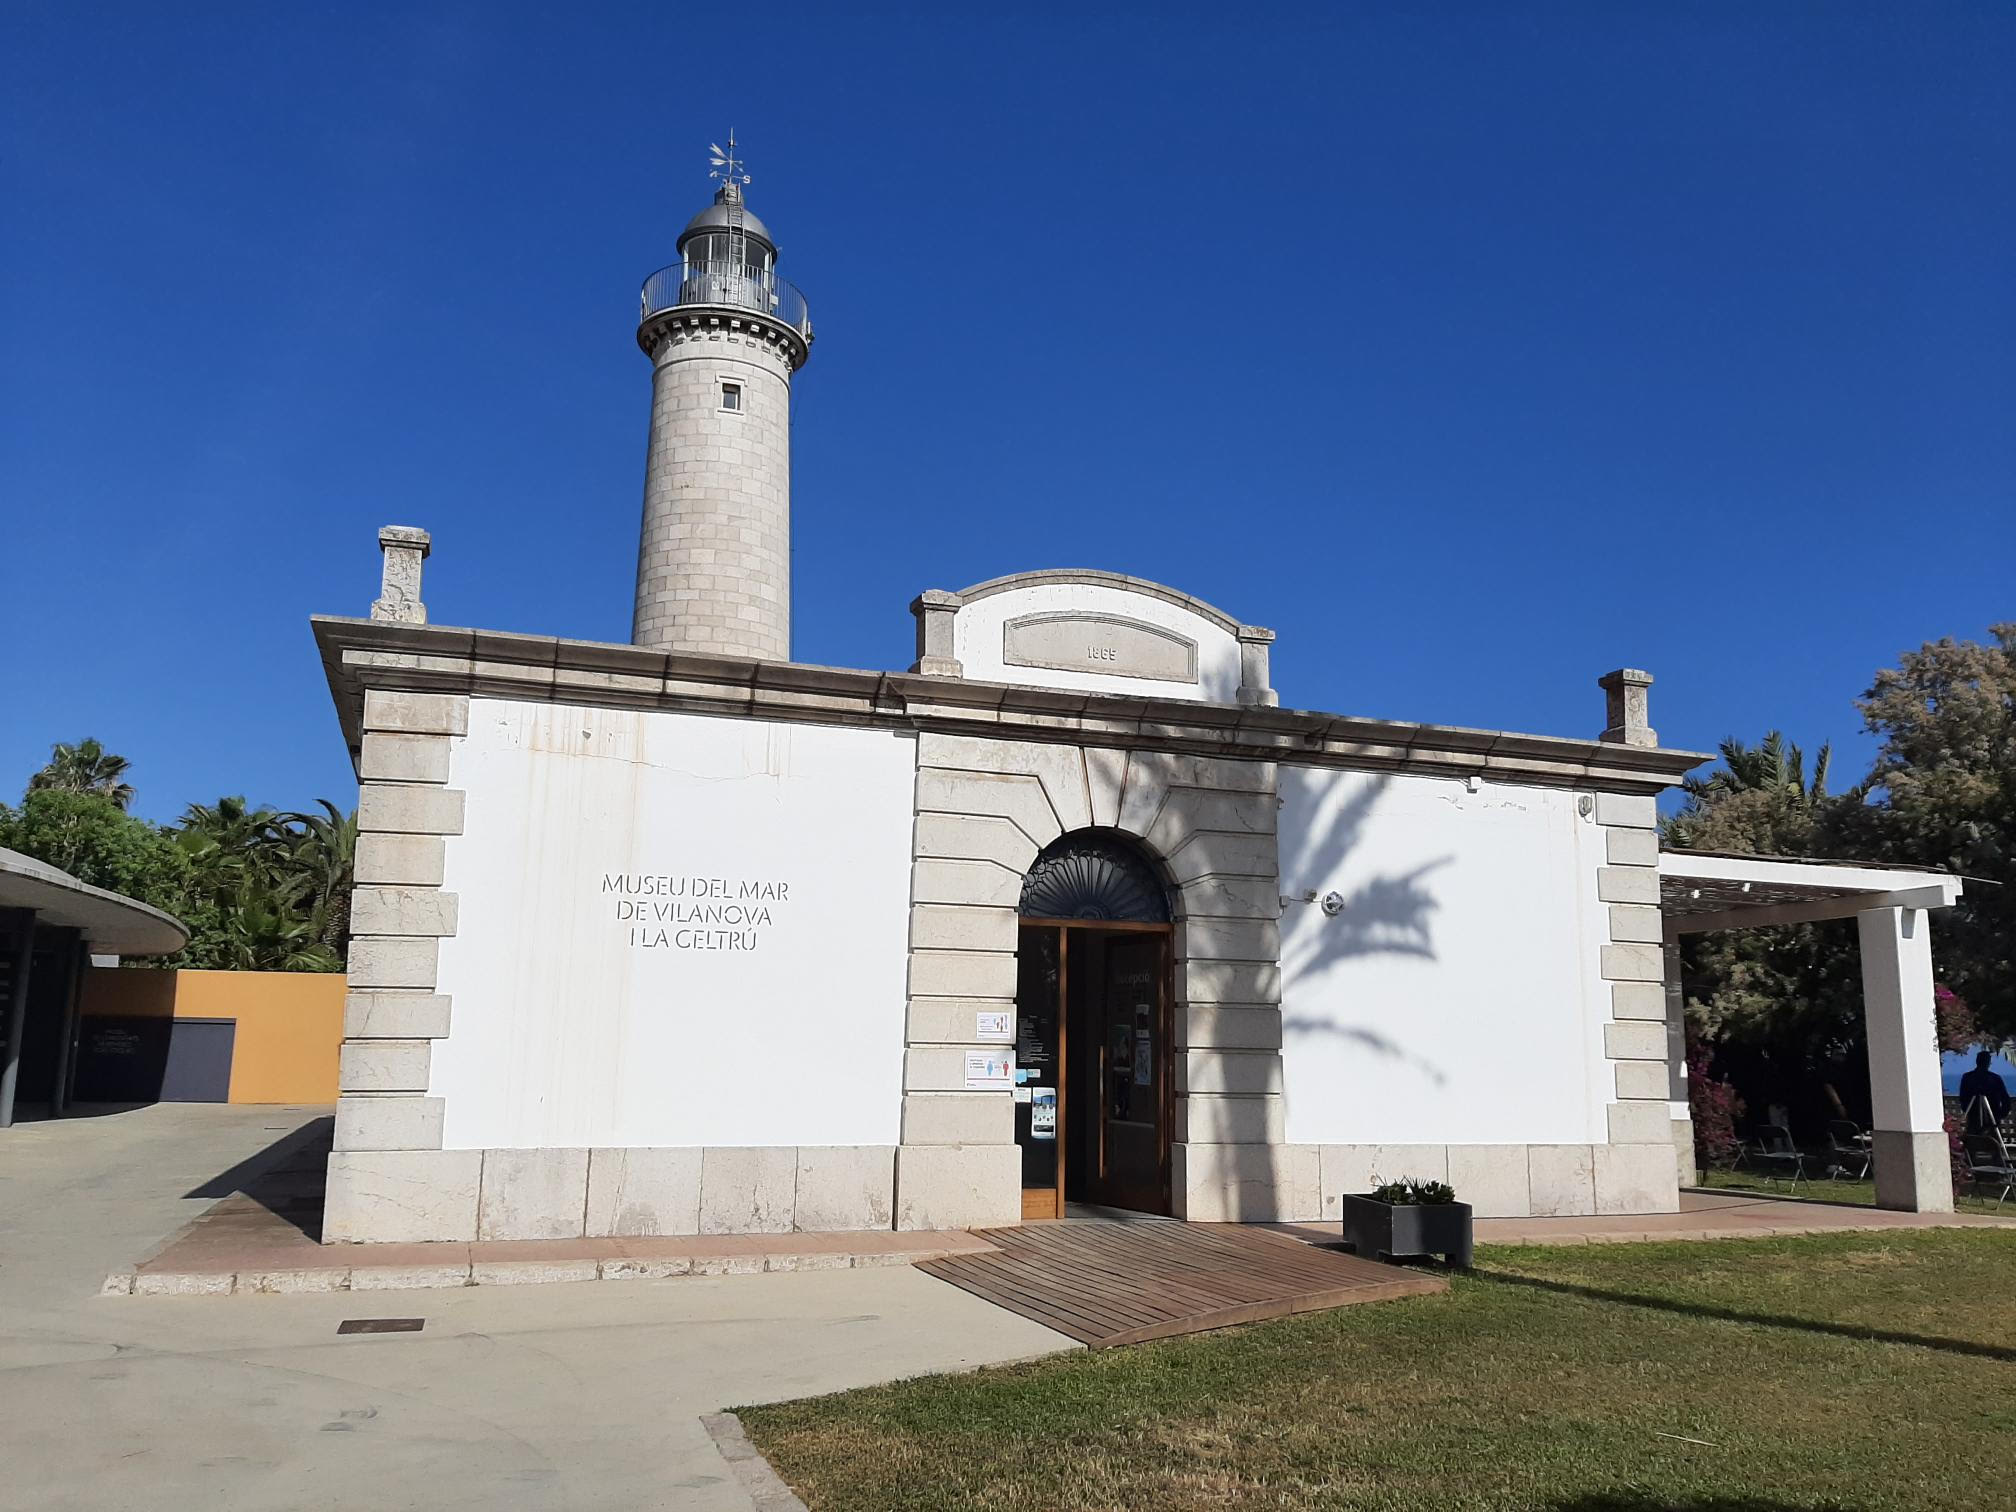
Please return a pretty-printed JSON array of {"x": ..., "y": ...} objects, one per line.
[{"x": 727, "y": 167}]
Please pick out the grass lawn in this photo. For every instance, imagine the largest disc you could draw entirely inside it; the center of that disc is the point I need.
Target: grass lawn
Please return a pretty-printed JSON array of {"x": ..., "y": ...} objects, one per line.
[
  {"x": 1845, "y": 1371},
  {"x": 1853, "y": 1193}
]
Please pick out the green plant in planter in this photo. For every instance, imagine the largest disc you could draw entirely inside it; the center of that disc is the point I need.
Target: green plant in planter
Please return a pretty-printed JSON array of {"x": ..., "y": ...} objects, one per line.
[
  {"x": 1414, "y": 1193},
  {"x": 1408, "y": 1218}
]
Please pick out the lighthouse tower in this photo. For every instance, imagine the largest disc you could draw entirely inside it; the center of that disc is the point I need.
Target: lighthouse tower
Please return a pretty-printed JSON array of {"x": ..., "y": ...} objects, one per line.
[{"x": 724, "y": 334}]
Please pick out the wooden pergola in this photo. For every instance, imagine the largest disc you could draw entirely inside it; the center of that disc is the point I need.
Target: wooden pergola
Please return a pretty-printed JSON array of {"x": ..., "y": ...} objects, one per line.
[{"x": 1702, "y": 891}]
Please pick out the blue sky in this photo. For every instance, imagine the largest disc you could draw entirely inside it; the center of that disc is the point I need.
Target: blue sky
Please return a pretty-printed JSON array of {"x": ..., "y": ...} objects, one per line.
[{"x": 1477, "y": 349}]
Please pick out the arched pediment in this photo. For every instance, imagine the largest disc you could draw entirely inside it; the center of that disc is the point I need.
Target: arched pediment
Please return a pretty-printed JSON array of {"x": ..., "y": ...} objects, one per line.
[
  {"x": 1052, "y": 577},
  {"x": 1098, "y": 632}
]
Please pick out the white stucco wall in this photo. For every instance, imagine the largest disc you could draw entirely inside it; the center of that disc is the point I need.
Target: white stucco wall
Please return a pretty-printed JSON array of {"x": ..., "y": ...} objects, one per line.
[
  {"x": 567, "y": 1030},
  {"x": 976, "y": 639},
  {"x": 1457, "y": 998}
]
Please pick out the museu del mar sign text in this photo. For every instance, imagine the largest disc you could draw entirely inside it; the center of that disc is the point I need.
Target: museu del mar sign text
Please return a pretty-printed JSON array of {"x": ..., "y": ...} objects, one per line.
[{"x": 665, "y": 912}]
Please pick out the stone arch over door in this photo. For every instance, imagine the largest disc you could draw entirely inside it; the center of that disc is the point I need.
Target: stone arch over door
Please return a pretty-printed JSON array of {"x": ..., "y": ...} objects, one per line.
[
  {"x": 985, "y": 811},
  {"x": 1095, "y": 876}
]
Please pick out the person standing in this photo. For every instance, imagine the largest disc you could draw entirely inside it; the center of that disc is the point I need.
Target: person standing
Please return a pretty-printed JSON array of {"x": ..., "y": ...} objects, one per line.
[{"x": 1984, "y": 1096}]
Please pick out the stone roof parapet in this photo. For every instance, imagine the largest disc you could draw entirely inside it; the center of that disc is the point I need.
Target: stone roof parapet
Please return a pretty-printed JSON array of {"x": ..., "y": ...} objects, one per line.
[{"x": 360, "y": 654}]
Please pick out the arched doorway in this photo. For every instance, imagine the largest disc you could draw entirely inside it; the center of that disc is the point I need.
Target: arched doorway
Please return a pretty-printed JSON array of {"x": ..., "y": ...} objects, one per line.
[{"x": 1096, "y": 1100}]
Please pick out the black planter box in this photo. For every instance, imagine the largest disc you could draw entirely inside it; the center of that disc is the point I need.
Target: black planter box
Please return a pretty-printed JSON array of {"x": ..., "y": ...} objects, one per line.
[{"x": 1381, "y": 1229}]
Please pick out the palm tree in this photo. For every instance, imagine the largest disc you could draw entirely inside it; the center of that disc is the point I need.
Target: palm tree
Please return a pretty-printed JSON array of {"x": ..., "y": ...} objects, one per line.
[
  {"x": 1772, "y": 765},
  {"x": 268, "y": 891},
  {"x": 1760, "y": 801},
  {"x": 233, "y": 823},
  {"x": 228, "y": 842},
  {"x": 86, "y": 767},
  {"x": 324, "y": 849},
  {"x": 268, "y": 926}
]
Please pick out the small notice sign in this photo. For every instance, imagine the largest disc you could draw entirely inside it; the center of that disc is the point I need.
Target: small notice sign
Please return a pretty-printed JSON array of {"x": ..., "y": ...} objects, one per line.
[
  {"x": 992, "y": 1027},
  {"x": 1043, "y": 1113},
  {"x": 989, "y": 1071}
]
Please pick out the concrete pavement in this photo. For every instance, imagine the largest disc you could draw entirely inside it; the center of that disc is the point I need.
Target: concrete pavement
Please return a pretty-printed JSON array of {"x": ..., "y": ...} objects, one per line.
[{"x": 576, "y": 1396}]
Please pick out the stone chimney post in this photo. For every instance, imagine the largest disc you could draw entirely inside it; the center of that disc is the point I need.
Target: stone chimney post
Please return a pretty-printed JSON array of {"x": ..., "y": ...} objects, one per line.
[
  {"x": 1256, "y": 686},
  {"x": 935, "y": 610},
  {"x": 405, "y": 548},
  {"x": 1627, "y": 707}
]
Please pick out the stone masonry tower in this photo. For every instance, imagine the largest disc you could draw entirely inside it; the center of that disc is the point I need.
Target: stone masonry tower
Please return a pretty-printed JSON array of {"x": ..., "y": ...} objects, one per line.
[{"x": 724, "y": 334}]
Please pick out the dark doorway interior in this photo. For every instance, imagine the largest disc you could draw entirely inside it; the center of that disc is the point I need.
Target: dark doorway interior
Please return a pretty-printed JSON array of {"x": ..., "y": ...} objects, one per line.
[
  {"x": 47, "y": 975},
  {"x": 1095, "y": 1095},
  {"x": 47, "y": 1020},
  {"x": 1093, "y": 1049}
]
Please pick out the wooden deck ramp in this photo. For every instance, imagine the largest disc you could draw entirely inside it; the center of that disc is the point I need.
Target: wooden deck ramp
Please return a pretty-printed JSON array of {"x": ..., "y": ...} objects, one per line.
[{"x": 1108, "y": 1283}]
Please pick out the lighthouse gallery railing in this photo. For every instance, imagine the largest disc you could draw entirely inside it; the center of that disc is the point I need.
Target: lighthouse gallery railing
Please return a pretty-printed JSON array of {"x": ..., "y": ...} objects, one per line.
[{"x": 726, "y": 283}]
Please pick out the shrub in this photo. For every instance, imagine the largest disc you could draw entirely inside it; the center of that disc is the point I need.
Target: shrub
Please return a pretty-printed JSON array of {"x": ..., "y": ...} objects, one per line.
[
  {"x": 1957, "y": 1027},
  {"x": 1413, "y": 1193},
  {"x": 1956, "y": 1151},
  {"x": 1714, "y": 1107}
]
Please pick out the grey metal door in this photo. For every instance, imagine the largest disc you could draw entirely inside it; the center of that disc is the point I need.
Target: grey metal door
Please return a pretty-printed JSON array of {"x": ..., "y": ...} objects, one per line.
[
  {"x": 198, "y": 1068},
  {"x": 148, "y": 1059}
]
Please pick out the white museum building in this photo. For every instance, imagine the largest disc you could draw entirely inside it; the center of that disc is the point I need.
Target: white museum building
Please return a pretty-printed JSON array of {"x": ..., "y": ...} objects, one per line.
[{"x": 682, "y": 936}]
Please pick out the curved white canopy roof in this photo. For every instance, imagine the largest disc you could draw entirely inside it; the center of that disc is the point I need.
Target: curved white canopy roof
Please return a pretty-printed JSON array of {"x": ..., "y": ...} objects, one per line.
[{"x": 111, "y": 924}]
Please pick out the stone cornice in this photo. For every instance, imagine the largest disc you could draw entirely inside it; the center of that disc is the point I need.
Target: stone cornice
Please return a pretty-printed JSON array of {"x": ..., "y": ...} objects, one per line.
[
  {"x": 360, "y": 654},
  {"x": 696, "y": 322}
]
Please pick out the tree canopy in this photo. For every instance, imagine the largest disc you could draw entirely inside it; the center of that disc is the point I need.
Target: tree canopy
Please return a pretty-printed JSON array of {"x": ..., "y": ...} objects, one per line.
[
  {"x": 260, "y": 889},
  {"x": 1791, "y": 994},
  {"x": 1784, "y": 1004},
  {"x": 1946, "y": 778},
  {"x": 92, "y": 838}
]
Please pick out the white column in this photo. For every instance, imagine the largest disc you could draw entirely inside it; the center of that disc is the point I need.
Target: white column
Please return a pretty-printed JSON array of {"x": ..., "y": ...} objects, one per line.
[
  {"x": 1676, "y": 1070},
  {"x": 1913, "y": 1168}
]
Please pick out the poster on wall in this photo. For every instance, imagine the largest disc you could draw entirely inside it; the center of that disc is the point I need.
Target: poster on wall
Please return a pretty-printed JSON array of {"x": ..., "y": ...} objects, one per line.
[
  {"x": 989, "y": 1071},
  {"x": 1043, "y": 1113},
  {"x": 992, "y": 1027}
]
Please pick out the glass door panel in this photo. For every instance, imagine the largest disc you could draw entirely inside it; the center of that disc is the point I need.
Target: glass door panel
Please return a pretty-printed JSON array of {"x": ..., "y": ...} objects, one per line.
[{"x": 1039, "y": 1064}]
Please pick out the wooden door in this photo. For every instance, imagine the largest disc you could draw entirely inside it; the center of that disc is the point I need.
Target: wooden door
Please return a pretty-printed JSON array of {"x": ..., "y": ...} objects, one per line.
[{"x": 1129, "y": 1025}]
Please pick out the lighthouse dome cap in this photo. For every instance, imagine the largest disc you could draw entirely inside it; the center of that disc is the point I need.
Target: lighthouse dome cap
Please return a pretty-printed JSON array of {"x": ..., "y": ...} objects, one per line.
[{"x": 716, "y": 218}]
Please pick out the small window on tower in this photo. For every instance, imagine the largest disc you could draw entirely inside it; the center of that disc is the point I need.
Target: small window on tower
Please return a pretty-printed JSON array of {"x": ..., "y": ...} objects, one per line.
[{"x": 731, "y": 396}]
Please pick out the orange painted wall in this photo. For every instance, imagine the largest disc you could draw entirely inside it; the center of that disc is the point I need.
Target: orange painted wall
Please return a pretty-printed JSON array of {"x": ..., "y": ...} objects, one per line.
[{"x": 290, "y": 1023}]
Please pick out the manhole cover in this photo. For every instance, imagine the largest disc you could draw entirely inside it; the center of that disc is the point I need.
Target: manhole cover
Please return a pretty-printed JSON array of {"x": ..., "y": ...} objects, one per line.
[{"x": 381, "y": 1325}]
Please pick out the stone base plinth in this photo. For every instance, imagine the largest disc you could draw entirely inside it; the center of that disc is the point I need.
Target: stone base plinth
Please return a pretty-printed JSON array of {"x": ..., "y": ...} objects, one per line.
[
  {"x": 1914, "y": 1172},
  {"x": 418, "y": 1196},
  {"x": 958, "y": 1186}
]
